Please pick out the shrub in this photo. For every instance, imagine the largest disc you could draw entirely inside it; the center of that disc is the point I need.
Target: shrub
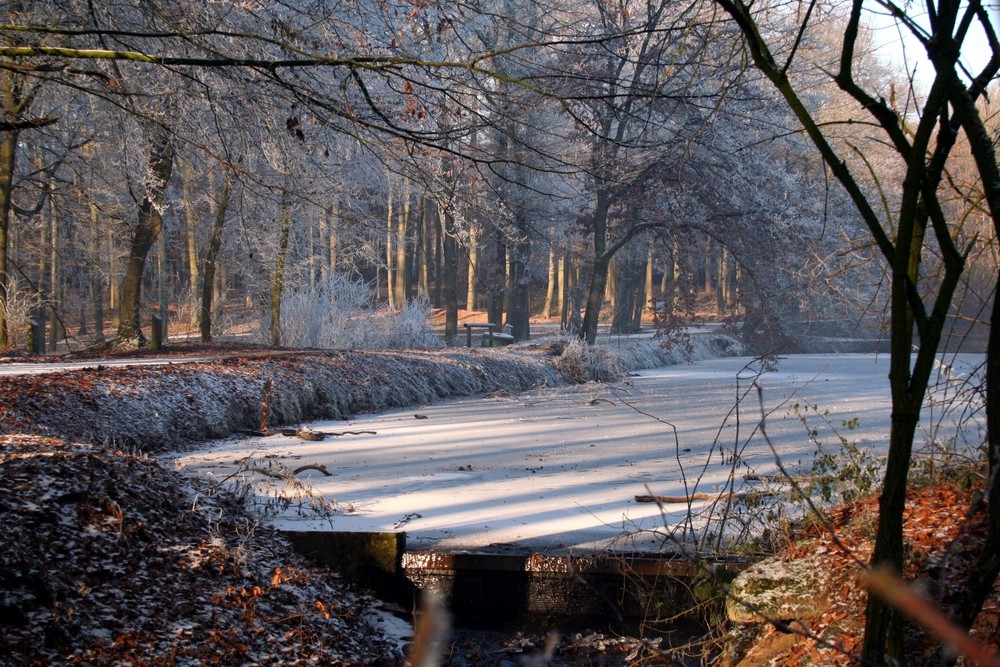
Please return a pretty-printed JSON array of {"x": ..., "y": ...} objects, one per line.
[
  {"x": 581, "y": 362},
  {"x": 19, "y": 306},
  {"x": 339, "y": 313}
]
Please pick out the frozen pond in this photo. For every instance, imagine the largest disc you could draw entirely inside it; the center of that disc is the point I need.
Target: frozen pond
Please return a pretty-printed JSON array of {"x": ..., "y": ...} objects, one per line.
[{"x": 558, "y": 470}]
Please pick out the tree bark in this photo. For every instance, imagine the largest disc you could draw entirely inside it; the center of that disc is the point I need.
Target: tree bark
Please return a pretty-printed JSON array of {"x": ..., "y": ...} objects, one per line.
[
  {"x": 519, "y": 315},
  {"x": 450, "y": 252},
  {"x": 149, "y": 223},
  {"x": 550, "y": 283},
  {"x": 390, "y": 245},
  {"x": 95, "y": 283},
  {"x": 8, "y": 156},
  {"x": 497, "y": 286},
  {"x": 599, "y": 278},
  {"x": 470, "y": 291},
  {"x": 162, "y": 283},
  {"x": 426, "y": 251},
  {"x": 278, "y": 279},
  {"x": 211, "y": 257},
  {"x": 191, "y": 221}
]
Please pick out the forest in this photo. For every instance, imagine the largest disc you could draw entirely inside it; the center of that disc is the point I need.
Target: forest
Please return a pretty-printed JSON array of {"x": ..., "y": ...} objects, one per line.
[
  {"x": 534, "y": 159},
  {"x": 250, "y": 165}
]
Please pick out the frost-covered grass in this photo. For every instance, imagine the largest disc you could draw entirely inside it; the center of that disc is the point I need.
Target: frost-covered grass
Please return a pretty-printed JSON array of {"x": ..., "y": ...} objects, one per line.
[{"x": 340, "y": 314}]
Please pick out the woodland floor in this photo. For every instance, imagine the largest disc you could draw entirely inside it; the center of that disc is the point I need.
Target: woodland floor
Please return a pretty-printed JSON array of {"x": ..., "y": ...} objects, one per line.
[{"x": 109, "y": 559}]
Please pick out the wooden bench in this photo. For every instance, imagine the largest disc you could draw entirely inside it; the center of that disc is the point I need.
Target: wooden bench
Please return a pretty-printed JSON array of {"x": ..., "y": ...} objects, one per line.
[{"x": 481, "y": 325}]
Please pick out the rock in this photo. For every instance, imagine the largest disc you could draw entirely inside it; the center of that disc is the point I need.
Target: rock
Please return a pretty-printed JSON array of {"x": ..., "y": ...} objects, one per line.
[{"x": 780, "y": 590}]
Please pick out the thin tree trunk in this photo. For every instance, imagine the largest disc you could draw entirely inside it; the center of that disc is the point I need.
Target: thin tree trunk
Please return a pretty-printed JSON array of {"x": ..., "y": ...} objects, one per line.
[
  {"x": 496, "y": 288},
  {"x": 163, "y": 282},
  {"x": 278, "y": 279},
  {"x": 438, "y": 258},
  {"x": 426, "y": 254},
  {"x": 599, "y": 278},
  {"x": 208, "y": 286},
  {"x": 561, "y": 289},
  {"x": 149, "y": 223},
  {"x": 44, "y": 280},
  {"x": 191, "y": 220},
  {"x": 57, "y": 331},
  {"x": 550, "y": 287},
  {"x": 96, "y": 291},
  {"x": 470, "y": 291},
  {"x": 722, "y": 288},
  {"x": 404, "y": 255},
  {"x": 649, "y": 293},
  {"x": 566, "y": 294},
  {"x": 390, "y": 248},
  {"x": 450, "y": 251},
  {"x": 709, "y": 270},
  {"x": 642, "y": 279},
  {"x": 114, "y": 281}
]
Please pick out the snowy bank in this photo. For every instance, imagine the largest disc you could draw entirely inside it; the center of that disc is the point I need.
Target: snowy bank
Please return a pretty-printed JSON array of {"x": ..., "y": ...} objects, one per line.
[{"x": 164, "y": 407}]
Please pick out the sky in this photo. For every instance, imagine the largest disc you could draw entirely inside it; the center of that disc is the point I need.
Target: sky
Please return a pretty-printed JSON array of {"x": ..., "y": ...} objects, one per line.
[{"x": 901, "y": 49}]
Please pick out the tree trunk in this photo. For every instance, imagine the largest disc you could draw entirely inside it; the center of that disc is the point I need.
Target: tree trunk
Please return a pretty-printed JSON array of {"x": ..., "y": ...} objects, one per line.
[
  {"x": 211, "y": 257},
  {"x": 278, "y": 279},
  {"x": 723, "y": 292},
  {"x": 649, "y": 293},
  {"x": 96, "y": 286},
  {"x": 333, "y": 238},
  {"x": 390, "y": 247},
  {"x": 450, "y": 252},
  {"x": 496, "y": 289},
  {"x": 191, "y": 221},
  {"x": 599, "y": 278},
  {"x": 15, "y": 102},
  {"x": 404, "y": 253},
  {"x": 426, "y": 253},
  {"x": 629, "y": 276},
  {"x": 566, "y": 300},
  {"x": 519, "y": 315},
  {"x": 438, "y": 238},
  {"x": 8, "y": 156},
  {"x": 57, "y": 331},
  {"x": 709, "y": 267},
  {"x": 642, "y": 280},
  {"x": 162, "y": 283},
  {"x": 550, "y": 283},
  {"x": 470, "y": 292},
  {"x": 149, "y": 223},
  {"x": 561, "y": 289}
]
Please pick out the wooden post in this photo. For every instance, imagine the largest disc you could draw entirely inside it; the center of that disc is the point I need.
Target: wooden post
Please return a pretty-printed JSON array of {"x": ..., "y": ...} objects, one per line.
[
  {"x": 158, "y": 333},
  {"x": 36, "y": 343}
]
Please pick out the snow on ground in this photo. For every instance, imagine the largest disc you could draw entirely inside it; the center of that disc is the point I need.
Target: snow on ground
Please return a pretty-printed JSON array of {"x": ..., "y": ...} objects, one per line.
[{"x": 557, "y": 470}]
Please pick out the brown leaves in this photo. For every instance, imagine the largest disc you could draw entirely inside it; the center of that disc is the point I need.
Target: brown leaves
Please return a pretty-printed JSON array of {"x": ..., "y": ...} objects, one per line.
[
  {"x": 107, "y": 559},
  {"x": 934, "y": 525}
]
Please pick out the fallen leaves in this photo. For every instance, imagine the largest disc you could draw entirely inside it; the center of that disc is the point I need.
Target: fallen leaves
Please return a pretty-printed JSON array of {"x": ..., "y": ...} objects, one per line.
[{"x": 109, "y": 558}]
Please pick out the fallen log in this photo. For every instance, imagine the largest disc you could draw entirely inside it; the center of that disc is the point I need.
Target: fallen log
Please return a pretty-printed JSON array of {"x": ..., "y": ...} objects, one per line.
[{"x": 313, "y": 466}]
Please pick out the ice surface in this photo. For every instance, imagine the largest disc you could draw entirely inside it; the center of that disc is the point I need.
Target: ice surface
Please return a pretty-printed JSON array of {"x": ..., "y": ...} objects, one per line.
[{"x": 558, "y": 470}]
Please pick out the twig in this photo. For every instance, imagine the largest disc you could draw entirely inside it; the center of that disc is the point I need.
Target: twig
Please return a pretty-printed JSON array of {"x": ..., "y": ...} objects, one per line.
[
  {"x": 779, "y": 479},
  {"x": 904, "y": 598},
  {"x": 731, "y": 495}
]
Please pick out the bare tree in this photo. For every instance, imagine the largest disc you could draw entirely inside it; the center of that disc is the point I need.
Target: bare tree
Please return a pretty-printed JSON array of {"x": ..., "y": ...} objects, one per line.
[{"x": 923, "y": 139}]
